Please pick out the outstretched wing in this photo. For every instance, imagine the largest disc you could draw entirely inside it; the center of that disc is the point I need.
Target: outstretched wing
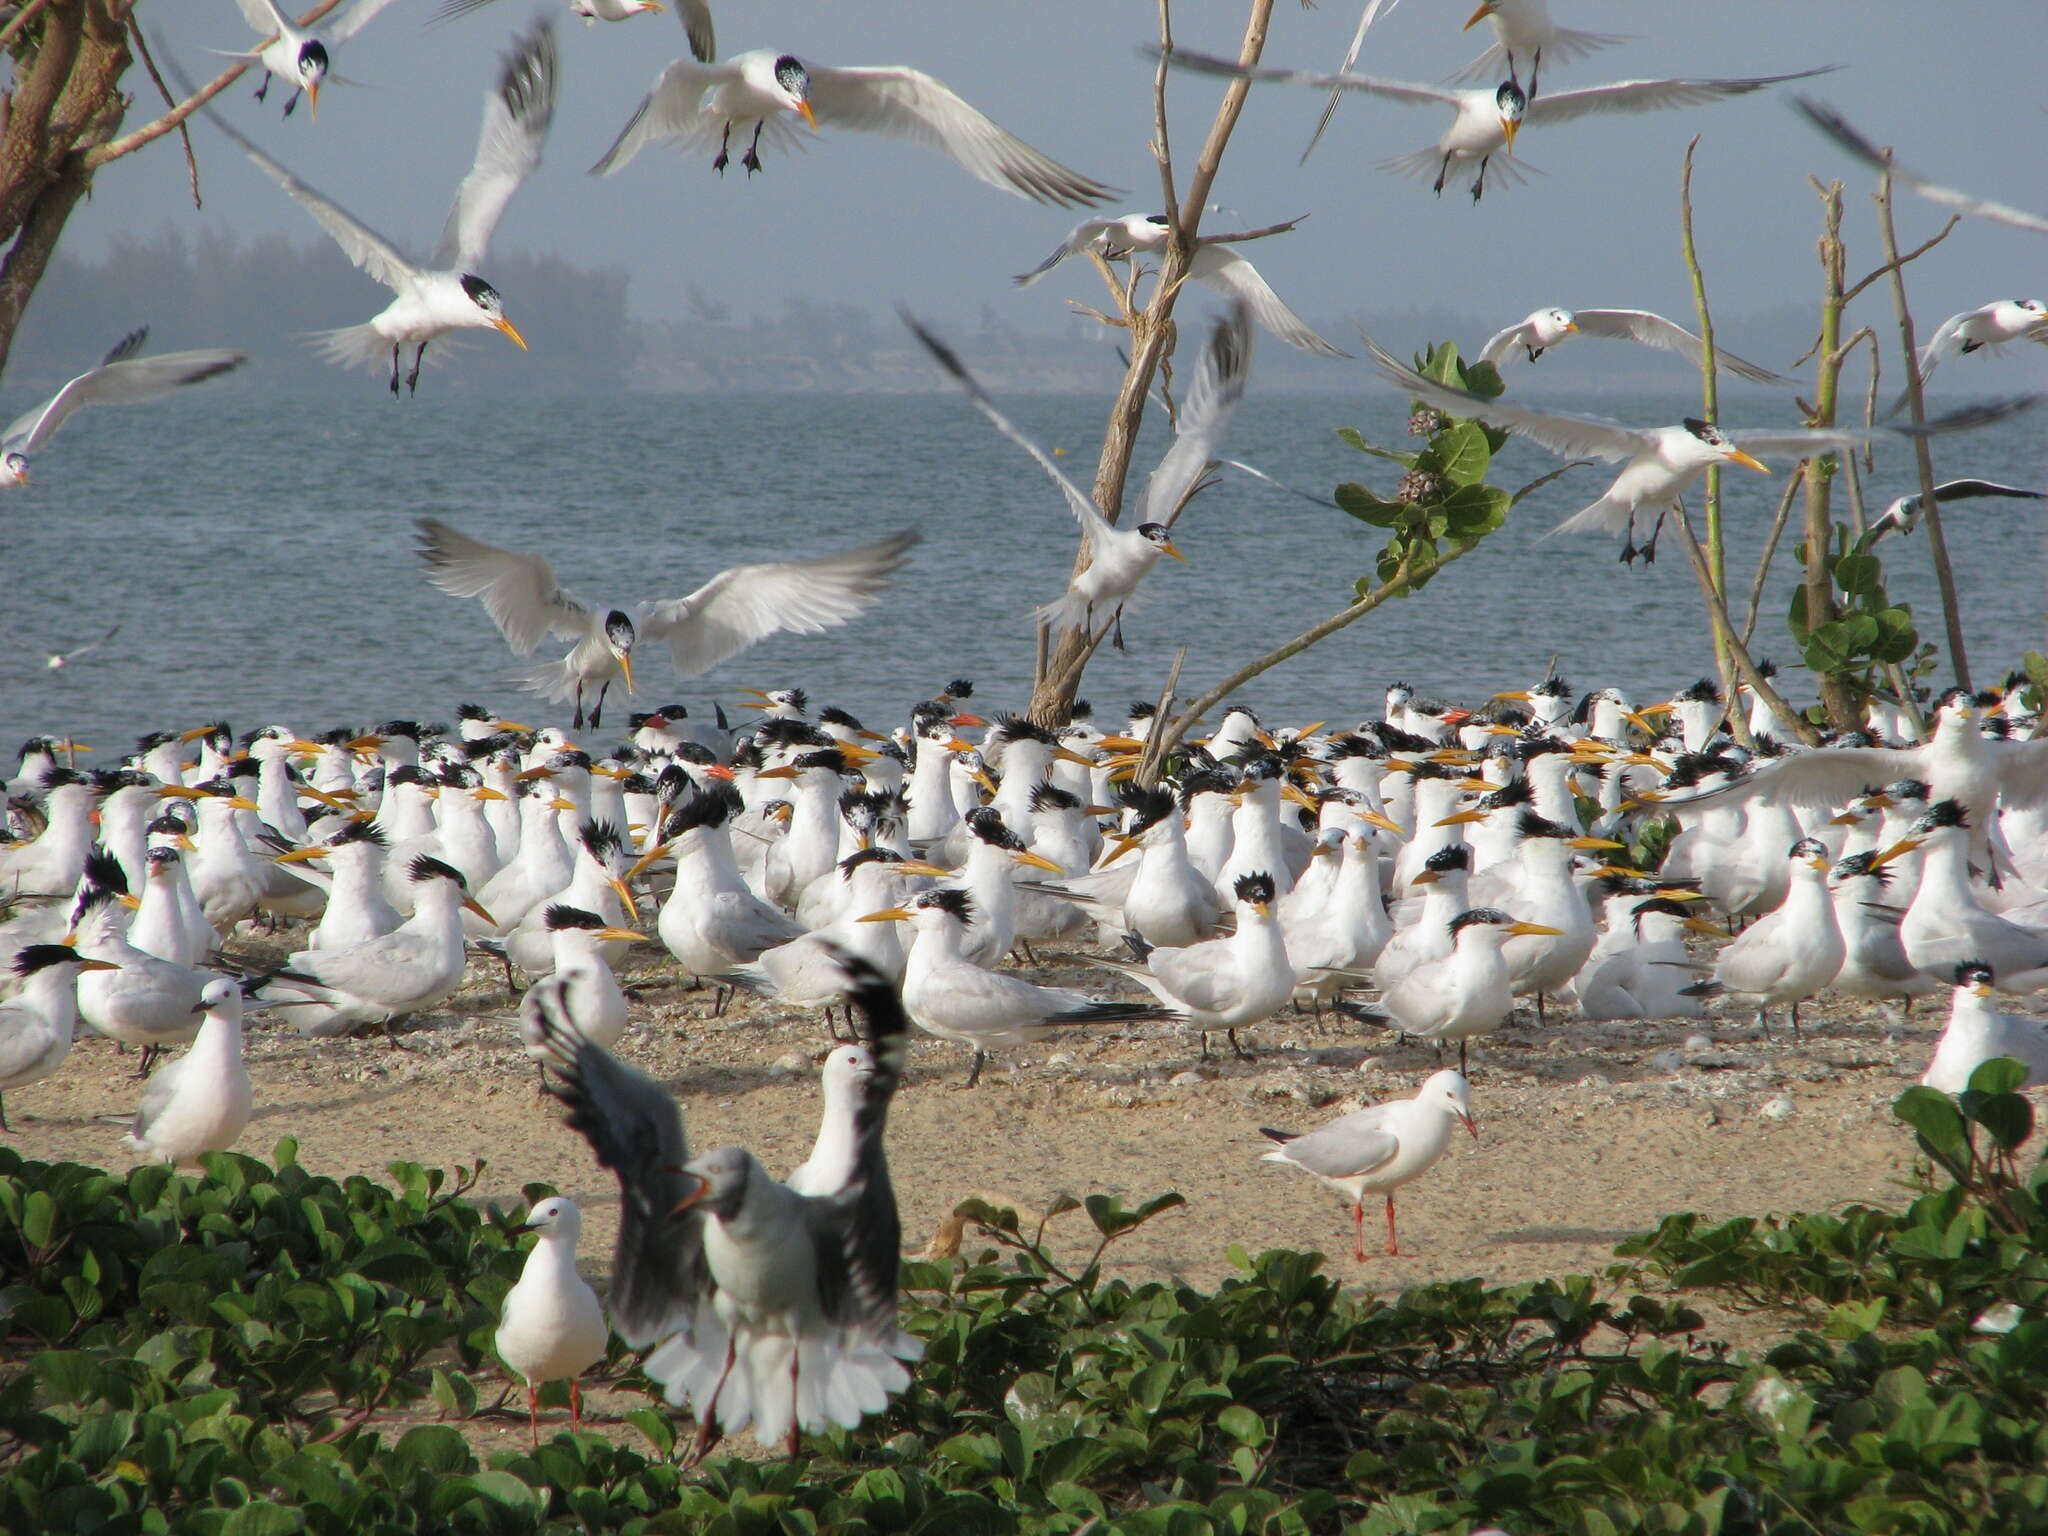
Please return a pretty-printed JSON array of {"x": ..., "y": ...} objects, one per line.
[
  {"x": 362, "y": 245},
  {"x": 909, "y": 104},
  {"x": 1218, "y": 387},
  {"x": 516, "y": 119},
  {"x": 1837, "y": 127},
  {"x": 1649, "y": 95},
  {"x": 124, "y": 381},
  {"x": 1576, "y": 437},
  {"x": 1079, "y": 238},
  {"x": 1500, "y": 343},
  {"x": 359, "y": 16},
  {"x": 659, "y": 1273},
  {"x": 1651, "y": 330},
  {"x": 1223, "y": 268},
  {"x": 519, "y": 592},
  {"x": 1092, "y": 522},
  {"x": 1391, "y": 90},
  {"x": 669, "y": 111},
  {"x": 748, "y": 603},
  {"x": 695, "y": 15}
]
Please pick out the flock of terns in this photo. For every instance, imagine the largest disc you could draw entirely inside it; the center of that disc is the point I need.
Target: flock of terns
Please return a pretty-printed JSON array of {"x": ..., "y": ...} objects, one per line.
[{"x": 1421, "y": 871}]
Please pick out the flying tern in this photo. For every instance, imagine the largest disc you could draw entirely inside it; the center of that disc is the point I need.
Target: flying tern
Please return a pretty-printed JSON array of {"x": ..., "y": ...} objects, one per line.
[
  {"x": 695, "y": 15},
  {"x": 1903, "y": 515},
  {"x": 1546, "y": 328},
  {"x": 122, "y": 378},
  {"x": 1488, "y": 120},
  {"x": 1120, "y": 557},
  {"x": 444, "y": 294},
  {"x": 1660, "y": 463},
  {"x": 1990, "y": 325},
  {"x": 695, "y": 104},
  {"x": 1838, "y": 128},
  {"x": 300, "y": 57},
  {"x": 738, "y": 607},
  {"x": 1524, "y": 27},
  {"x": 1213, "y": 263}
]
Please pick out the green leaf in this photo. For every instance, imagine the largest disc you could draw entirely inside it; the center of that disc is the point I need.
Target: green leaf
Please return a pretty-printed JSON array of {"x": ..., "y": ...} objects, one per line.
[
  {"x": 1242, "y": 1425},
  {"x": 69, "y": 1375},
  {"x": 1856, "y": 574},
  {"x": 1462, "y": 453},
  {"x": 1473, "y": 511},
  {"x": 38, "y": 1219},
  {"x": 1897, "y": 636},
  {"x": 1351, "y": 436},
  {"x": 1367, "y": 507},
  {"x": 2007, "y": 1117},
  {"x": 1999, "y": 1074},
  {"x": 260, "y": 1517},
  {"x": 1939, "y": 1125}
]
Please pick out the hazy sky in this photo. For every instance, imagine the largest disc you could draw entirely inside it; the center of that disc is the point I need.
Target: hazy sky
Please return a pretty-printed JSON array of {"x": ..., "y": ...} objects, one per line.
[{"x": 877, "y": 222}]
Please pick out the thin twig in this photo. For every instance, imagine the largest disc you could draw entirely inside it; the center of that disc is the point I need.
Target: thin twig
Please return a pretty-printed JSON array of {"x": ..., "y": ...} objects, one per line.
[
  {"x": 22, "y": 18},
  {"x": 1738, "y": 653},
  {"x": 149, "y": 63},
  {"x": 1162, "y": 146},
  {"x": 1261, "y": 233},
  {"x": 1916, "y": 403},
  {"x": 1763, "y": 564},
  {"x": 1154, "y": 754},
  {"x": 1710, "y": 408},
  {"x": 1893, "y": 264}
]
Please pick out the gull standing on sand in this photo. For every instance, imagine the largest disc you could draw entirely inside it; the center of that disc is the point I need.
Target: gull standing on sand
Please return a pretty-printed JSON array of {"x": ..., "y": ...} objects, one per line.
[
  {"x": 122, "y": 378},
  {"x": 200, "y": 1103},
  {"x": 1378, "y": 1149},
  {"x": 445, "y": 294},
  {"x": 1543, "y": 329},
  {"x": 693, "y": 105},
  {"x": 551, "y": 1326},
  {"x": 1214, "y": 264},
  {"x": 759, "y": 1305},
  {"x": 37, "y": 1023},
  {"x": 735, "y": 609}
]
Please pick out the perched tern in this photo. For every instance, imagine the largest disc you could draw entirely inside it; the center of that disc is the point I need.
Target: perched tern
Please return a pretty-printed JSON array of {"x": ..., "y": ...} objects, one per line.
[
  {"x": 1524, "y": 27},
  {"x": 1460, "y": 994},
  {"x": 695, "y": 104},
  {"x": 1213, "y": 264},
  {"x": 444, "y": 294},
  {"x": 1546, "y": 328},
  {"x": 1378, "y": 1149},
  {"x": 1903, "y": 515},
  {"x": 551, "y": 1325},
  {"x": 758, "y": 1305},
  {"x": 1225, "y": 983},
  {"x": 36, "y": 1024},
  {"x": 201, "y": 1102},
  {"x": 1837, "y": 127},
  {"x": 736, "y": 608},
  {"x": 1488, "y": 120},
  {"x": 1660, "y": 462},
  {"x": 1793, "y": 952},
  {"x": 301, "y": 58},
  {"x": 122, "y": 378},
  {"x": 1120, "y": 556}
]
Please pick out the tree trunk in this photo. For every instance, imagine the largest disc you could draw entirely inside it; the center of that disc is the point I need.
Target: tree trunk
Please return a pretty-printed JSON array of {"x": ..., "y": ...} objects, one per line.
[{"x": 66, "y": 101}]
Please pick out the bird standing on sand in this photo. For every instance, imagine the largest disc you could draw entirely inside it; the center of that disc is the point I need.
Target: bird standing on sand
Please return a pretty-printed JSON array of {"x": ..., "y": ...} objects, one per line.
[
  {"x": 1378, "y": 1149},
  {"x": 200, "y": 1103},
  {"x": 551, "y": 1326}
]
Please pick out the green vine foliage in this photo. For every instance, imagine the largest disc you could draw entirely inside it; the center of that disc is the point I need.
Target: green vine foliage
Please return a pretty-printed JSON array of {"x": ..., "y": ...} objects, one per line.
[
  {"x": 1868, "y": 631},
  {"x": 262, "y": 1350}
]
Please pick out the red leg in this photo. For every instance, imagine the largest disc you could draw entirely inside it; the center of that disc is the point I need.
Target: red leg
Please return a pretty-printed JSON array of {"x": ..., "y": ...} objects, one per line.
[
  {"x": 575, "y": 1404},
  {"x": 793, "y": 1444},
  {"x": 1393, "y": 1247},
  {"x": 1358, "y": 1229},
  {"x": 533, "y": 1412},
  {"x": 707, "y": 1416}
]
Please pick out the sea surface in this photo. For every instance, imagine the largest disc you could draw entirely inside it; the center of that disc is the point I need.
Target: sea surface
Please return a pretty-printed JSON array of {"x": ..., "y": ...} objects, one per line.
[{"x": 256, "y": 551}]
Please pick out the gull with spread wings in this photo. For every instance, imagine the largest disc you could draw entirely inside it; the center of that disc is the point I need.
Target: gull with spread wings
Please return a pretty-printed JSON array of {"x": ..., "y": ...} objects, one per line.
[
  {"x": 1661, "y": 463},
  {"x": 1119, "y": 557},
  {"x": 695, "y": 105},
  {"x": 733, "y": 610},
  {"x": 444, "y": 294},
  {"x": 1488, "y": 120},
  {"x": 122, "y": 378},
  {"x": 1537, "y": 333}
]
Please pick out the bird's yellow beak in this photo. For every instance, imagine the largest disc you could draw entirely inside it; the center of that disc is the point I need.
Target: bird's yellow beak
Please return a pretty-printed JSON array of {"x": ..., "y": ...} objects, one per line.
[
  {"x": 1168, "y": 549},
  {"x": 110, "y": 965},
  {"x": 652, "y": 5},
  {"x": 1981, "y": 989},
  {"x": 1532, "y": 928},
  {"x": 626, "y": 897},
  {"x": 242, "y": 803},
  {"x": 1737, "y": 456},
  {"x": 485, "y": 792},
  {"x": 195, "y": 733},
  {"x": 620, "y": 935},
  {"x": 1037, "y": 861},
  {"x": 920, "y": 867},
  {"x": 808, "y": 115},
  {"x": 132, "y": 903},
  {"x": 703, "y": 1188},
  {"x": 313, "y": 100},
  {"x": 301, "y": 855},
  {"x": 1478, "y": 16},
  {"x": 1384, "y": 823},
  {"x": 886, "y": 915},
  {"x": 513, "y": 331},
  {"x": 1519, "y": 694},
  {"x": 625, "y": 662},
  {"x": 1460, "y": 818},
  {"x": 1711, "y": 930},
  {"x": 469, "y": 904},
  {"x": 652, "y": 856},
  {"x": 1124, "y": 845},
  {"x": 1509, "y": 127},
  {"x": 1593, "y": 842},
  {"x": 1903, "y": 846}
]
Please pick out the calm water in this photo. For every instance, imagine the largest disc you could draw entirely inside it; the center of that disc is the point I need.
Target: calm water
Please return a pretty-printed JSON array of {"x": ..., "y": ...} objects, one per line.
[{"x": 257, "y": 551}]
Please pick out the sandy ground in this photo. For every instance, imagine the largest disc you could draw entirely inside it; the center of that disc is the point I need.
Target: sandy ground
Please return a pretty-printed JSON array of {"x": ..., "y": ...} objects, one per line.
[{"x": 1587, "y": 1131}]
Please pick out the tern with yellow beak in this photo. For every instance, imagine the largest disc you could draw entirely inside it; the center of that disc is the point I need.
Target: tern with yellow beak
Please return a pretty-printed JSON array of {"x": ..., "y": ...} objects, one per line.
[
  {"x": 444, "y": 294},
  {"x": 1977, "y": 1032},
  {"x": 1121, "y": 556},
  {"x": 1660, "y": 462},
  {"x": 1464, "y": 993},
  {"x": 300, "y": 58},
  {"x": 1524, "y": 27},
  {"x": 733, "y": 610},
  {"x": 1488, "y": 120},
  {"x": 1543, "y": 329},
  {"x": 694, "y": 105}
]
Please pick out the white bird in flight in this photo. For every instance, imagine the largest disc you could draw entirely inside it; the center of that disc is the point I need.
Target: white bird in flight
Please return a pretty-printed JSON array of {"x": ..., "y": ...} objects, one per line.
[
  {"x": 1215, "y": 264},
  {"x": 301, "y": 59},
  {"x": 1838, "y": 128},
  {"x": 1121, "y": 556},
  {"x": 1524, "y": 27},
  {"x": 1660, "y": 462},
  {"x": 122, "y": 378},
  {"x": 1989, "y": 325},
  {"x": 1903, "y": 515},
  {"x": 695, "y": 105},
  {"x": 1488, "y": 120},
  {"x": 695, "y": 15},
  {"x": 445, "y": 294},
  {"x": 1545, "y": 328},
  {"x": 736, "y": 608},
  {"x": 56, "y": 659}
]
